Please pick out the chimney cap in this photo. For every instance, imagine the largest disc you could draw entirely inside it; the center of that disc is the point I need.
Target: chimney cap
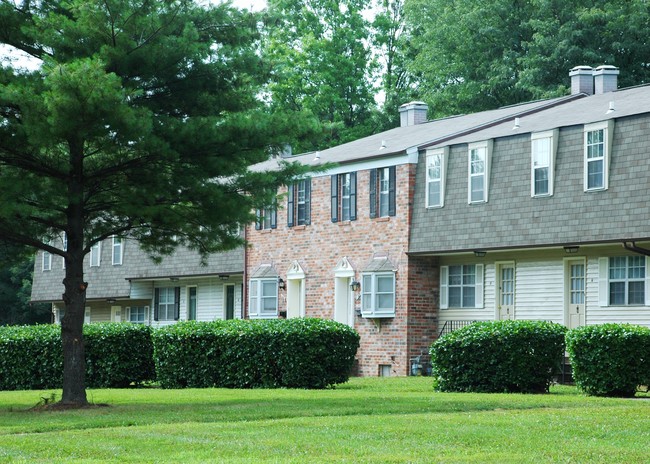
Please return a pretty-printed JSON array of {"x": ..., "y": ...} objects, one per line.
[
  {"x": 606, "y": 69},
  {"x": 412, "y": 104},
  {"x": 581, "y": 70}
]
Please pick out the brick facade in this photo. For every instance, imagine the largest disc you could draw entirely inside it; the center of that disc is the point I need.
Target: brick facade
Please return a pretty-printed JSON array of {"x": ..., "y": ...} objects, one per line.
[{"x": 319, "y": 247}]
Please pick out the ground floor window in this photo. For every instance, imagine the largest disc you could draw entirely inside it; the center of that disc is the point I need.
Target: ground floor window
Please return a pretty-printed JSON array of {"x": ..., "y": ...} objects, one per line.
[
  {"x": 263, "y": 298},
  {"x": 627, "y": 280},
  {"x": 167, "y": 304},
  {"x": 378, "y": 294},
  {"x": 461, "y": 286},
  {"x": 138, "y": 314}
]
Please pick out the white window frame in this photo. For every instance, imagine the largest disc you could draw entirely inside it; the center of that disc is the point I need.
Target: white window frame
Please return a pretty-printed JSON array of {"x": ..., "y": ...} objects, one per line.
[
  {"x": 118, "y": 245},
  {"x": 256, "y": 298},
  {"x": 47, "y": 261},
  {"x": 552, "y": 136},
  {"x": 95, "y": 254},
  {"x": 478, "y": 287},
  {"x": 486, "y": 148},
  {"x": 607, "y": 128},
  {"x": 370, "y": 295},
  {"x": 439, "y": 181},
  {"x": 130, "y": 311},
  {"x": 64, "y": 244},
  {"x": 604, "y": 282},
  {"x": 383, "y": 192},
  {"x": 169, "y": 303}
]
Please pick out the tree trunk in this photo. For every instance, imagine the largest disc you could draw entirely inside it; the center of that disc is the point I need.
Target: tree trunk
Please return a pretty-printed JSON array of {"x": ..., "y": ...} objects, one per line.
[{"x": 74, "y": 359}]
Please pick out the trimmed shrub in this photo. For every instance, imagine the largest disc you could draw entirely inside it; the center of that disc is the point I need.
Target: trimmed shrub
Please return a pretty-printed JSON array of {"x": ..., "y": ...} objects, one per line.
[
  {"x": 31, "y": 357},
  {"x": 610, "y": 359},
  {"x": 294, "y": 353},
  {"x": 499, "y": 356},
  {"x": 117, "y": 355}
]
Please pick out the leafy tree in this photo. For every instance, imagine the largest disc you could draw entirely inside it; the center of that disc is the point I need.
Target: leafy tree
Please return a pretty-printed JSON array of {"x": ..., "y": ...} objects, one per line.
[
  {"x": 321, "y": 66},
  {"x": 16, "y": 269},
  {"x": 472, "y": 56},
  {"x": 142, "y": 120},
  {"x": 392, "y": 42}
]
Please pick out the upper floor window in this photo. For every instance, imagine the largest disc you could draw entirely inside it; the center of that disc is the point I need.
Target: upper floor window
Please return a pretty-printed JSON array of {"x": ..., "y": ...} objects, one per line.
[
  {"x": 47, "y": 261},
  {"x": 627, "y": 280},
  {"x": 95, "y": 254},
  {"x": 263, "y": 298},
  {"x": 461, "y": 286},
  {"x": 344, "y": 197},
  {"x": 543, "y": 148},
  {"x": 118, "y": 250},
  {"x": 167, "y": 304},
  {"x": 479, "y": 170},
  {"x": 299, "y": 203},
  {"x": 597, "y": 143},
  {"x": 382, "y": 192},
  {"x": 436, "y": 173},
  {"x": 378, "y": 294},
  {"x": 267, "y": 218}
]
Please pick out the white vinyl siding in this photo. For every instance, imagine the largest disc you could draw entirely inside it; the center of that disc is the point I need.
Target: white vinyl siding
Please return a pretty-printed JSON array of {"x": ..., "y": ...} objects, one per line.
[
  {"x": 597, "y": 153},
  {"x": 479, "y": 160},
  {"x": 436, "y": 163},
  {"x": 542, "y": 170}
]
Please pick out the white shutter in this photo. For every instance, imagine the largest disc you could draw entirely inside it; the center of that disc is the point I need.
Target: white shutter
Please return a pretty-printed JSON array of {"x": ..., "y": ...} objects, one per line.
[
  {"x": 647, "y": 281},
  {"x": 146, "y": 315},
  {"x": 127, "y": 314},
  {"x": 603, "y": 281},
  {"x": 478, "y": 287},
  {"x": 444, "y": 294},
  {"x": 87, "y": 315},
  {"x": 253, "y": 299}
]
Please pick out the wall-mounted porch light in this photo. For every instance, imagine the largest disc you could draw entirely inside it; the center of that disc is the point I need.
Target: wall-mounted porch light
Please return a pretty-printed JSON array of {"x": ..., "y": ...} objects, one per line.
[
  {"x": 355, "y": 286},
  {"x": 571, "y": 248},
  {"x": 223, "y": 277},
  {"x": 480, "y": 253},
  {"x": 281, "y": 283},
  {"x": 110, "y": 300}
]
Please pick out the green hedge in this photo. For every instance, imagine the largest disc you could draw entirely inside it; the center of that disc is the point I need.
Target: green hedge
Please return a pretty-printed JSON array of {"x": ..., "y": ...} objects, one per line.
[
  {"x": 116, "y": 355},
  {"x": 499, "y": 356},
  {"x": 610, "y": 359},
  {"x": 294, "y": 353}
]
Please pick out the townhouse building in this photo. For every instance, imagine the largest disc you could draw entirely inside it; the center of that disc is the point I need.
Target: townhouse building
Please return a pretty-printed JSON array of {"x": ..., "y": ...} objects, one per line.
[{"x": 533, "y": 211}]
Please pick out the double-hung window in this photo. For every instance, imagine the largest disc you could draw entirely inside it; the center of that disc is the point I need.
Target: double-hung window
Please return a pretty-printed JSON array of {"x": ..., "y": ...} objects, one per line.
[
  {"x": 138, "y": 314},
  {"x": 95, "y": 254},
  {"x": 47, "y": 261},
  {"x": 597, "y": 143},
  {"x": 461, "y": 286},
  {"x": 299, "y": 203},
  {"x": 167, "y": 303},
  {"x": 344, "y": 197},
  {"x": 543, "y": 148},
  {"x": 436, "y": 168},
  {"x": 267, "y": 218},
  {"x": 378, "y": 294},
  {"x": 382, "y": 192},
  {"x": 118, "y": 250},
  {"x": 263, "y": 298},
  {"x": 479, "y": 171},
  {"x": 627, "y": 280}
]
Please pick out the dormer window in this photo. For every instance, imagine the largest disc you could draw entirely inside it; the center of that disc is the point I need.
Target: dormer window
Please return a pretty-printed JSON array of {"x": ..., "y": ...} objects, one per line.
[
  {"x": 543, "y": 149},
  {"x": 479, "y": 156},
  {"x": 597, "y": 149}
]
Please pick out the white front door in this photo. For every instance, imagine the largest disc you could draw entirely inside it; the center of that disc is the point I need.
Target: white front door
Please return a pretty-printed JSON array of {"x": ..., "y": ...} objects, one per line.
[
  {"x": 506, "y": 295},
  {"x": 295, "y": 298},
  {"x": 575, "y": 297},
  {"x": 343, "y": 301}
]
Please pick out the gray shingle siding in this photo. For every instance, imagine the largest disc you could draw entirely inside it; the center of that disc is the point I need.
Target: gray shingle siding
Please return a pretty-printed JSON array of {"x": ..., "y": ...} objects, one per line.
[
  {"x": 512, "y": 218},
  {"x": 109, "y": 281}
]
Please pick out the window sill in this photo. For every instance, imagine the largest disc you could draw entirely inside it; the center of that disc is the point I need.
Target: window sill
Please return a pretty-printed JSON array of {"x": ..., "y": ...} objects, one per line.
[
  {"x": 344, "y": 223},
  {"x": 382, "y": 219},
  {"x": 264, "y": 231},
  {"x": 300, "y": 227}
]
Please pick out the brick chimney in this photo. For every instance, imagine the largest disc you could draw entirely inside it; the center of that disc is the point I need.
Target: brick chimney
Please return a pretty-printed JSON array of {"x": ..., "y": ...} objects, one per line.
[
  {"x": 605, "y": 79},
  {"x": 412, "y": 113},
  {"x": 582, "y": 80}
]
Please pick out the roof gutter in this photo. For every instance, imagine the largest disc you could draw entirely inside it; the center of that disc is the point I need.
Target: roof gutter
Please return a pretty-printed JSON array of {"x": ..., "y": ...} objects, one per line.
[{"x": 631, "y": 246}]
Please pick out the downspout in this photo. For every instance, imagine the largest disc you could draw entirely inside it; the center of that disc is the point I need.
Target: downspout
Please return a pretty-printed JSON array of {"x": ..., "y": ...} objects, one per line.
[
  {"x": 244, "y": 285},
  {"x": 631, "y": 246}
]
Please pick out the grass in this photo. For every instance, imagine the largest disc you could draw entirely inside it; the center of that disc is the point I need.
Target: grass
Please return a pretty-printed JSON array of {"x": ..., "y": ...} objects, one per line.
[{"x": 389, "y": 420}]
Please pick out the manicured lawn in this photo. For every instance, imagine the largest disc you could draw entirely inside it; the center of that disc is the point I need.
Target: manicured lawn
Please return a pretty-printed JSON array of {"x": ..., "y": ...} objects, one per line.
[{"x": 366, "y": 420}]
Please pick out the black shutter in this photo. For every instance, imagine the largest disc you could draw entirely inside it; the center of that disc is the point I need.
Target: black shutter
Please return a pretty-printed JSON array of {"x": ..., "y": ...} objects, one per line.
[
  {"x": 373, "y": 193},
  {"x": 177, "y": 303},
  {"x": 391, "y": 191},
  {"x": 274, "y": 215},
  {"x": 353, "y": 196},
  {"x": 290, "y": 206},
  {"x": 258, "y": 221},
  {"x": 308, "y": 201},
  {"x": 156, "y": 303},
  {"x": 335, "y": 198}
]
